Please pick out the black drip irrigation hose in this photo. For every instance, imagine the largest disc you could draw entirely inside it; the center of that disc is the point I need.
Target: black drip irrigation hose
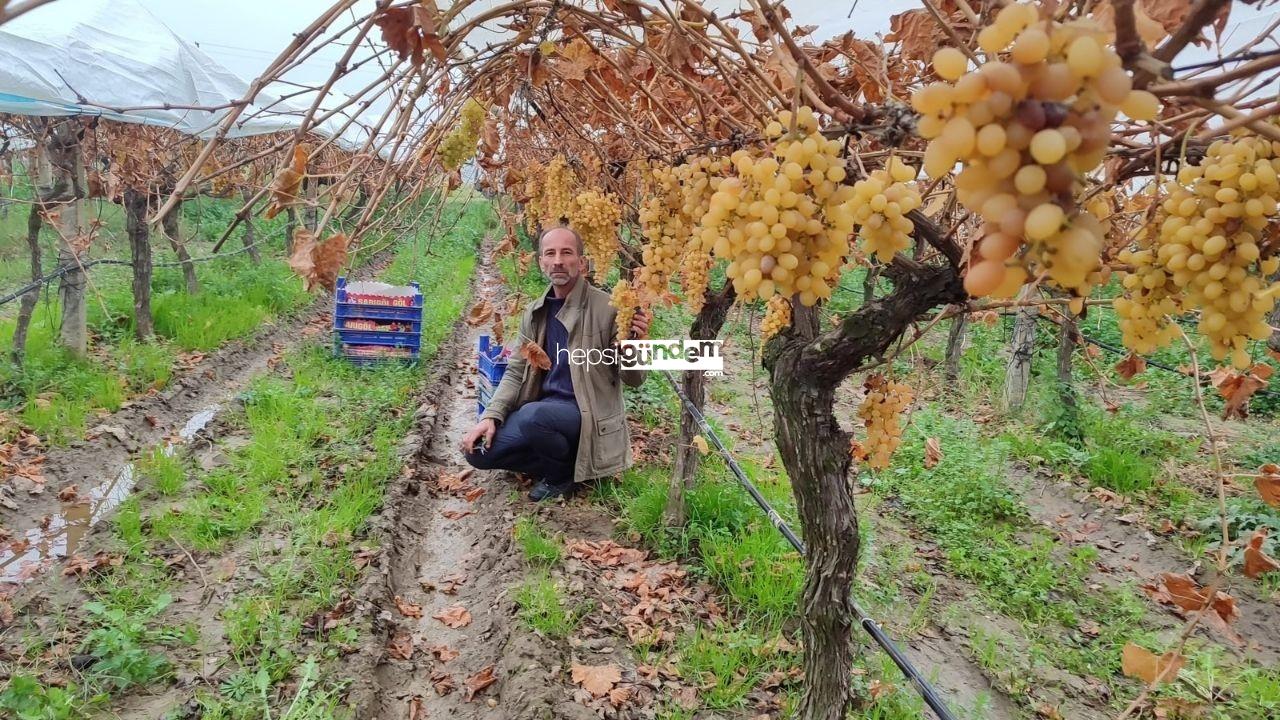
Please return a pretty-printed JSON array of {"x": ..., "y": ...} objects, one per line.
[
  {"x": 1153, "y": 363},
  {"x": 922, "y": 686}
]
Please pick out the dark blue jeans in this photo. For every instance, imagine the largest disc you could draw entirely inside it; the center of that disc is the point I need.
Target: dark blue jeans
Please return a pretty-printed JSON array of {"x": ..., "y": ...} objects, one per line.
[{"x": 539, "y": 439}]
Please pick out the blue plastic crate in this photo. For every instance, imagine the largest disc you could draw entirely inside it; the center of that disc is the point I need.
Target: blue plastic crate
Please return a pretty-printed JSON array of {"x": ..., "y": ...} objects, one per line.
[
  {"x": 484, "y": 390},
  {"x": 343, "y": 336},
  {"x": 487, "y": 362},
  {"x": 380, "y": 337},
  {"x": 411, "y": 326},
  {"x": 344, "y": 309}
]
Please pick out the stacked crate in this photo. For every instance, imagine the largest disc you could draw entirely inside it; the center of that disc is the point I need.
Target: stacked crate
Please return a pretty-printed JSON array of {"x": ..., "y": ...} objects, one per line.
[
  {"x": 376, "y": 328},
  {"x": 491, "y": 363}
]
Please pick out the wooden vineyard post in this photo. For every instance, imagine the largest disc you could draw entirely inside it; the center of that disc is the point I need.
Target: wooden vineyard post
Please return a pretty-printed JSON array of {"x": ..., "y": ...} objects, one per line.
[
  {"x": 172, "y": 234},
  {"x": 955, "y": 349},
  {"x": 250, "y": 241},
  {"x": 1021, "y": 349},
  {"x": 68, "y": 172},
  {"x": 135, "y": 208},
  {"x": 706, "y": 326}
]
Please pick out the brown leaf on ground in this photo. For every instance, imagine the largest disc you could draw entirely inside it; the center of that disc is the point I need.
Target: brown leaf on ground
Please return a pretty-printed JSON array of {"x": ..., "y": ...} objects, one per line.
[
  {"x": 1184, "y": 592},
  {"x": 605, "y": 553},
  {"x": 1142, "y": 664},
  {"x": 1256, "y": 562},
  {"x": 473, "y": 494},
  {"x": 442, "y": 682},
  {"x": 932, "y": 453},
  {"x": 454, "y": 482},
  {"x": 454, "y": 514},
  {"x": 68, "y": 493},
  {"x": 455, "y": 617},
  {"x": 481, "y": 680},
  {"x": 1132, "y": 364},
  {"x": 596, "y": 679},
  {"x": 401, "y": 646},
  {"x": 1268, "y": 484},
  {"x": 407, "y": 608},
  {"x": 443, "y": 653},
  {"x": 536, "y": 356},
  {"x": 415, "y": 708}
]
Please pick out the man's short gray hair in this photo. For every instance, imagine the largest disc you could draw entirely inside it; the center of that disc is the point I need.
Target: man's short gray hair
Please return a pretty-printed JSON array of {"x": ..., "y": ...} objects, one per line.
[{"x": 582, "y": 248}]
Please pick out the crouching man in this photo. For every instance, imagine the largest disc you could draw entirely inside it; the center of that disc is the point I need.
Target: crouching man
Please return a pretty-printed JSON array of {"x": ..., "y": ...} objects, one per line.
[{"x": 565, "y": 425}]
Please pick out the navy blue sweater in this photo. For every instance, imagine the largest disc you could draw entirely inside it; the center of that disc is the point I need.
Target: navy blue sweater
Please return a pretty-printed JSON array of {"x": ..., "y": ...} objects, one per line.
[{"x": 558, "y": 384}]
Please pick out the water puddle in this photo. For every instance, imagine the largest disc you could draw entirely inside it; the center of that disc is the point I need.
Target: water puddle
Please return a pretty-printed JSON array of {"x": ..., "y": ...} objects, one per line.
[{"x": 40, "y": 547}]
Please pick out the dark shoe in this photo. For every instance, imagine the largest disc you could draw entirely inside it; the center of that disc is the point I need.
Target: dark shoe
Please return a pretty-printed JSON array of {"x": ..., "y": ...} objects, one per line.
[{"x": 546, "y": 490}]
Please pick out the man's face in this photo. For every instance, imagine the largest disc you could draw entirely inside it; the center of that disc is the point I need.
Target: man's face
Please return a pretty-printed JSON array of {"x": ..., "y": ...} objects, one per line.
[{"x": 559, "y": 258}]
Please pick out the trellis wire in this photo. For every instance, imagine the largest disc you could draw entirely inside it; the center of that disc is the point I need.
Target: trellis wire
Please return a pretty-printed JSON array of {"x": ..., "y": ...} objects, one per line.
[{"x": 64, "y": 269}]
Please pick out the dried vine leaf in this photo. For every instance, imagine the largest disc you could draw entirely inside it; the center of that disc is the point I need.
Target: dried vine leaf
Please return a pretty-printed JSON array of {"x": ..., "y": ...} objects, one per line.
[
  {"x": 480, "y": 313},
  {"x": 1142, "y": 664},
  {"x": 329, "y": 257},
  {"x": 536, "y": 356},
  {"x": 596, "y": 679},
  {"x": 1236, "y": 388},
  {"x": 1133, "y": 364},
  {"x": 481, "y": 680},
  {"x": 1257, "y": 562},
  {"x": 1268, "y": 484},
  {"x": 302, "y": 261}
]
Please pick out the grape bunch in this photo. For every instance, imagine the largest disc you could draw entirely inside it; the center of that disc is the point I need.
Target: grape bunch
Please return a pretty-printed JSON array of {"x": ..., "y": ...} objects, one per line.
[
  {"x": 881, "y": 412},
  {"x": 1206, "y": 251},
  {"x": 777, "y": 317},
  {"x": 550, "y": 194},
  {"x": 784, "y": 220},
  {"x": 666, "y": 233},
  {"x": 595, "y": 216},
  {"x": 1027, "y": 126},
  {"x": 694, "y": 278},
  {"x": 459, "y": 145},
  {"x": 625, "y": 301},
  {"x": 882, "y": 201}
]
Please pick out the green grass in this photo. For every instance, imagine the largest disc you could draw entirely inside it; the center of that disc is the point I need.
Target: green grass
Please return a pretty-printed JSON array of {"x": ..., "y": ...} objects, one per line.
[
  {"x": 538, "y": 547},
  {"x": 543, "y": 608},
  {"x": 164, "y": 469}
]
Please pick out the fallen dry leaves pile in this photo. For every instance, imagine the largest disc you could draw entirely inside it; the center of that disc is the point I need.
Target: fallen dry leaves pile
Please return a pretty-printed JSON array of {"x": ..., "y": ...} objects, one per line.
[{"x": 656, "y": 604}]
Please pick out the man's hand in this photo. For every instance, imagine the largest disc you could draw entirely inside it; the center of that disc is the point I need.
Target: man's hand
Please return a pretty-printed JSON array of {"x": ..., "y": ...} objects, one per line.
[
  {"x": 485, "y": 428},
  {"x": 639, "y": 324}
]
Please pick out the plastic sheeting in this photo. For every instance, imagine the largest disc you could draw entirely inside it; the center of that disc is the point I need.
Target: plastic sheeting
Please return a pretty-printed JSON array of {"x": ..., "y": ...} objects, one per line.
[{"x": 115, "y": 53}]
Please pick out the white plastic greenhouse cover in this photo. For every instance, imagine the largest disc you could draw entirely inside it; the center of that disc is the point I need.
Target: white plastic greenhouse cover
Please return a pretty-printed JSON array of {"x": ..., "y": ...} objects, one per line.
[{"x": 116, "y": 53}]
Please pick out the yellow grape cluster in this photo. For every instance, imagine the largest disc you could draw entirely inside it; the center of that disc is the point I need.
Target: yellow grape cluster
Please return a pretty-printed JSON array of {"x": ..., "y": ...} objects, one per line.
[
  {"x": 625, "y": 301},
  {"x": 881, "y": 412},
  {"x": 1026, "y": 126},
  {"x": 777, "y": 317},
  {"x": 881, "y": 203},
  {"x": 666, "y": 235},
  {"x": 595, "y": 216},
  {"x": 550, "y": 194},
  {"x": 1206, "y": 252},
  {"x": 694, "y": 278},
  {"x": 784, "y": 220},
  {"x": 460, "y": 145}
]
